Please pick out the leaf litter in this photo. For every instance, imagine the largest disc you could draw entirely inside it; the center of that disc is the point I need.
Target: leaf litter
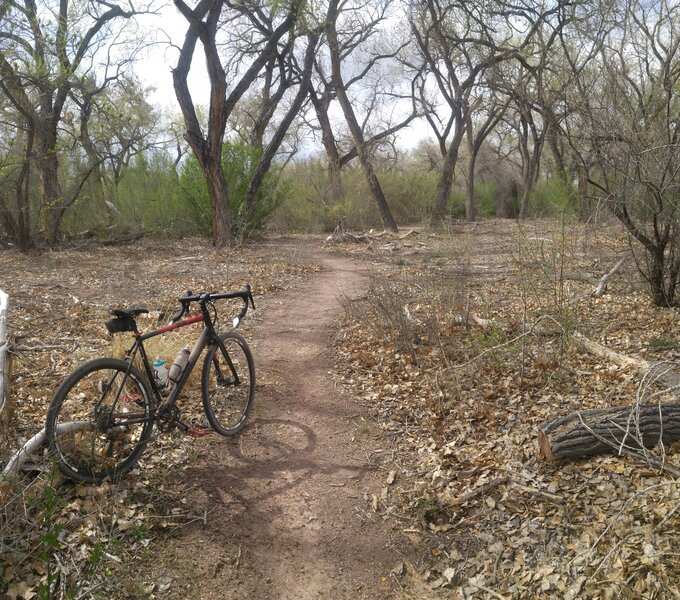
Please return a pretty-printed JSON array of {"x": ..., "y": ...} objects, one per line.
[
  {"x": 457, "y": 402},
  {"x": 70, "y": 541},
  {"x": 438, "y": 350}
]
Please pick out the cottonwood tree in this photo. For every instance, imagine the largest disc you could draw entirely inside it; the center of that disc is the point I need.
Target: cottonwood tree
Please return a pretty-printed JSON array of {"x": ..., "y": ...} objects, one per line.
[
  {"x": 45, "y": 52},
  {"x": 15, "y": 149},
  {"x": 366, "y": 54},
  {"x": 529, "y": 128},
  {"x": 114, "y": 125},
  {"x": 538, "y": 89},
  {"x": 628, "y": 77},
  {"x": 459, "y": 41},
  {"x": 271, "y": 40},
  {"x": 349, "y": 26},
  {"x": 486, "y": 119}
]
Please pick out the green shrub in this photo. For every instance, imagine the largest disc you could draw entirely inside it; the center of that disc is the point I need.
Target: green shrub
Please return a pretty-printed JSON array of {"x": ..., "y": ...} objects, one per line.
[
  {"x": 410, "y": 193},
  {"x": 552, "y": 199},
  {"x": 239, "y": 162},
  {"x": 146, "y": 199},
  {"x": 305, "y": 206}
]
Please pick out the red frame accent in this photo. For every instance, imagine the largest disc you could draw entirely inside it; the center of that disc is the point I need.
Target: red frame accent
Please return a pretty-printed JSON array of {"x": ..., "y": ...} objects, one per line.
[{"x": 189, "y": 321}]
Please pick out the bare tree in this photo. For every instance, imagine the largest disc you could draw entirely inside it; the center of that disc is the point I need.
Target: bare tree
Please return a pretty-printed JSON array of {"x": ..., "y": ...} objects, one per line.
[
  {"x": 115, "y": 125},
  {"x": 15, "y": 151},
  {"x": 44, "y": 53},
  {"x": 363, "y": 56},
  {"x": 262, "y": 42},
  {"x": 627, "y": 73},
  {"x": 348, "y": 26},
  {"x": 477, "y": 132},
  {"x": 459, "y": 41}
]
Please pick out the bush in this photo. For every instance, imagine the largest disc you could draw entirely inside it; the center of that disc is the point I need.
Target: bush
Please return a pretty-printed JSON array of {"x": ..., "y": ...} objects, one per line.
[
  {"x": 146, "y": 199},
  {"x": 409, "y": 193},
  {"x": 239, "y": 162},
  {"x": 552, "y": 199}
]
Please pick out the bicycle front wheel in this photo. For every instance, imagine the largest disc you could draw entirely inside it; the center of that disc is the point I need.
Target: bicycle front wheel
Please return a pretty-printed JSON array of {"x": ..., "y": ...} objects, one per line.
[
  {"x": 228, "y": 384},
  {"x": 99, "y": 420}
]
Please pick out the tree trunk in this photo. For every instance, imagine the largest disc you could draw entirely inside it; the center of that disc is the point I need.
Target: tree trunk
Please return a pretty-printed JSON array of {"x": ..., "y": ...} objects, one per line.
[
  {"x": 470, "y": 209},
  {"x": 50, "y": 191},
  {"x": 353, "y": 124},
  {"x": 21, "y": 219},
  {"x": 335, "y": 178},
  {"x": 558, "y": 157},
  {"x": 441, "y": 200},
  {"x": 601, "y": 431},
  {"x": 267, "y": 156},
  {"x": 330, "y": 145},
  {"x": 223, "y": 230}
]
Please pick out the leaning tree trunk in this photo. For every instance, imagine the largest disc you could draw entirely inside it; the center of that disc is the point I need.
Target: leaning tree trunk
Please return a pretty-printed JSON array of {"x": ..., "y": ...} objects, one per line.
[
  {"x": 353, "y": 124},
  {"x": 441, "y": 201},
  {"x": 609, "y": 430},
  {"x": 330, "y": 145}
]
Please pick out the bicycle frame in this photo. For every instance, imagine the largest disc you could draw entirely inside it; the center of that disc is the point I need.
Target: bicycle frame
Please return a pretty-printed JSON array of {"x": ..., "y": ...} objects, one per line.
[
  {"x": 208, "y": 336},
  {"x": 119, "y": 401}
]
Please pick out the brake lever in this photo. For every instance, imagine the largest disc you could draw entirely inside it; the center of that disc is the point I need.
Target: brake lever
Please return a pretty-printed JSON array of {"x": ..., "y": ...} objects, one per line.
[{"x": 183, "y": 310}]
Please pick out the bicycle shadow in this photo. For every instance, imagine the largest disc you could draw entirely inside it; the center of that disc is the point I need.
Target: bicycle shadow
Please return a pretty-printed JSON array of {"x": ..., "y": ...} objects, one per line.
[{"x": 270, "y": 458}]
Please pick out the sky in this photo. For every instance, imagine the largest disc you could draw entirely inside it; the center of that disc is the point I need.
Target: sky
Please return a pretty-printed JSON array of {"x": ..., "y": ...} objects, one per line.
[{"x": 156, "y": 69}]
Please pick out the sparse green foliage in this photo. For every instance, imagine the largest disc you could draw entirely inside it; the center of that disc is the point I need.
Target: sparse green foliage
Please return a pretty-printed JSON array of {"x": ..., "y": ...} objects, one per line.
[{"x": 239, "y": 162}]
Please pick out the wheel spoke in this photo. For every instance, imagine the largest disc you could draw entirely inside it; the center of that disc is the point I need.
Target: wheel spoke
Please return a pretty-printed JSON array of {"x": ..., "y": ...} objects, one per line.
[
  {"x": 228, "y": 385},
  {"x": 110, "y": 403}
]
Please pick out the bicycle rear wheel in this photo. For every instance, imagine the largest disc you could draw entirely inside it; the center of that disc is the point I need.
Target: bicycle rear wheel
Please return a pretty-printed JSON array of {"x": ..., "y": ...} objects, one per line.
[
  {"x": 228, "y": 384},
  {"x": 99, "y": 420}
]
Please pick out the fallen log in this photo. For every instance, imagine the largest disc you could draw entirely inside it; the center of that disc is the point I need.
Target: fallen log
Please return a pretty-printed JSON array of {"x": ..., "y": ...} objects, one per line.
[
  {"x": 34, "y": 446},
  {"x": 608, "y": 430},
  {"x": 602, "y": 284},
  {"x": 661, "y": 374}
]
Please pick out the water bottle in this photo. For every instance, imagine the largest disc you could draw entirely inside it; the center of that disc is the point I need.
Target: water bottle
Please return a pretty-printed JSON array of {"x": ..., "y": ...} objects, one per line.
[
  {"x": 179, "y": 364},
  {"x": 161, "y": 373}
]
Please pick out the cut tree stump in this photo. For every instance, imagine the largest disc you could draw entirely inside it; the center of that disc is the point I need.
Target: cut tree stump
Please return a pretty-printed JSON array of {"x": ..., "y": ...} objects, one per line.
[{"x": 603, "y": 430}]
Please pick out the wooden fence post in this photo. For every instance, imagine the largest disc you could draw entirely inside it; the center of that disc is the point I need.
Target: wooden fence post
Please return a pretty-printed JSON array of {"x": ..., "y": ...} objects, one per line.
[{"x": 4, "y": 355}]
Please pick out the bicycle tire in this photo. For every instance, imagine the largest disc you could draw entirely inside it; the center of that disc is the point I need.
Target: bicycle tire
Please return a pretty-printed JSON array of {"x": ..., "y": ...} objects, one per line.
[
  {"x": 88, "y": 444},
  {"x": 227, "y": 402}
]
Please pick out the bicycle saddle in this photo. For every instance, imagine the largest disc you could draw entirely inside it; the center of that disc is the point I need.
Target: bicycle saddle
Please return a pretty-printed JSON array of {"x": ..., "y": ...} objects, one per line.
[{"x": 127, "y": 312}]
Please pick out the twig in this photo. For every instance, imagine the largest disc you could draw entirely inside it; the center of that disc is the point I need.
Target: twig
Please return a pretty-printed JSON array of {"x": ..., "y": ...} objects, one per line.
[
  {"x": 602, "y": 285},
  {"x": 487, "y": 590},
  {"x": 482, "y": 489},
  {"x": 555, "y": 498},
  {"x": 38, "y": 347},
  {"x": 530, "y": 331}
]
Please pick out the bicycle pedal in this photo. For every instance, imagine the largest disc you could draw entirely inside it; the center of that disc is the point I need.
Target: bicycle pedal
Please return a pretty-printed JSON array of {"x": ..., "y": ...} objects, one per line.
[{"x": 198, "y": 432}]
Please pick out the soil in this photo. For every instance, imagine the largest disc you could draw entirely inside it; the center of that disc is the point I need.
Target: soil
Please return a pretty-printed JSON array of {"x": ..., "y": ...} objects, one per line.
[
  {"x": 287, "y": 503},
  {"x": 444, "y": 404}
]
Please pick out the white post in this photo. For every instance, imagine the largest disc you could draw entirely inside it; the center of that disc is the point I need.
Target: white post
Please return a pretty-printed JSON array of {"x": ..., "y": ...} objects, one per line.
[{"x": 4, "y": 343}]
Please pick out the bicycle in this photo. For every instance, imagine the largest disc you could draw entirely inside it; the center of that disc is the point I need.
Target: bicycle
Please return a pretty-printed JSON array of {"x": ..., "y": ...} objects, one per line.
[{"x": 100, "y": 419}]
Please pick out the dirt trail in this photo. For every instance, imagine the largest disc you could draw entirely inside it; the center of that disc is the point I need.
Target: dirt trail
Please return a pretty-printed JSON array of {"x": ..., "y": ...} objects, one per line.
[{"x": 287, "y": 515}]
